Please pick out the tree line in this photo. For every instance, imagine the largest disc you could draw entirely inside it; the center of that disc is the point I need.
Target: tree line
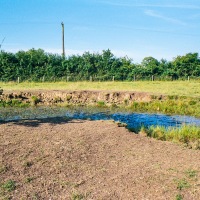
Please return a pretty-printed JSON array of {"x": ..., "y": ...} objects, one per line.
[{"x": 37, "y": 65}]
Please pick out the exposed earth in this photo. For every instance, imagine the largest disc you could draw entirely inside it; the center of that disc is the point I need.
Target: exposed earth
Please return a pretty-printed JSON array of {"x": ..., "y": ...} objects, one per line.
[
  {"x": 60, "y": 159},
  {"x": 87, "y": 97}
]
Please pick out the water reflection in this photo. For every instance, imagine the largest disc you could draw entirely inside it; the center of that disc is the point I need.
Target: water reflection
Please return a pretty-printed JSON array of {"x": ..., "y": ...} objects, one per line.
[
  {"x": 133, "y": 120},
  {"x": 136, "y": 120}
]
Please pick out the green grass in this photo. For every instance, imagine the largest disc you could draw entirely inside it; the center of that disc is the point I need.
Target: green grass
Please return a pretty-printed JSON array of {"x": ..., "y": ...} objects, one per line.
[
  {"x": 191, "y": 173},
  {"x": 8, "y": 186},
  {"x": 187, "y": 134},
  {"x": 101, "y": 104},
  {"x": 179, "y": 197},
  {"x": 35, "y": 100},
  {"x": 179, "y": 105},
  {"x": 13, "y": 103},
  {"x": 77, "y": 197},
  {"x": 180, "y": 88},
  {"x": 182, "y": 183}
]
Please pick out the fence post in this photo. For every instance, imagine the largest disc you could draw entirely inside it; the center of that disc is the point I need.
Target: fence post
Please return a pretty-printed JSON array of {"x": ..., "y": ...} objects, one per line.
[
  {"x": 18, "y": 80},
  {"x": 113, "y": 78},
  {"x": 152, "y": 77},
  {"x": 90, "y": 78},
  {"x": 134, "y": 78},
  {"x": 188, "y": 78},
  {"x": 43, "y": 78}
]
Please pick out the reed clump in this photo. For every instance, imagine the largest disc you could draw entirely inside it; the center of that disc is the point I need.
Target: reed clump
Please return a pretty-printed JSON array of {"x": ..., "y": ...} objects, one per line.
[
  {"x": 188, "y": 135},
  {"x": 181, "y": 106}
]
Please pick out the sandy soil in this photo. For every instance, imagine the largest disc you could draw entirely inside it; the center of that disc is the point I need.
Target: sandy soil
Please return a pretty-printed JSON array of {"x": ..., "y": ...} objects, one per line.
[{"x": 60, "y": 159}]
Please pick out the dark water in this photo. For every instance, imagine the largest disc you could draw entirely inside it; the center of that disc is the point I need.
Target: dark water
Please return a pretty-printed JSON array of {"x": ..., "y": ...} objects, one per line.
[{"x": 133, "y": 120}]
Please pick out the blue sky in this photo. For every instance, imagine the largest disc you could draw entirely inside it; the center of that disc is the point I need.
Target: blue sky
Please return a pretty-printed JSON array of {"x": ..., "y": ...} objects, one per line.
[{"x": 136, "y": 28}]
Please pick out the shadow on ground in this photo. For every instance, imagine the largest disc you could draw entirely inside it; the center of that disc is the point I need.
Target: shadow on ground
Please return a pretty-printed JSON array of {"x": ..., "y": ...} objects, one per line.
[{"x": 38, "y": 122}]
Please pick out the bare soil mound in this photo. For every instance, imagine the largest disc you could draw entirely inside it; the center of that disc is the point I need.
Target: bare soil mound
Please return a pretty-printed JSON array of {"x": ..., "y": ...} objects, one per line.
[
  {"x": 85, "y": 97},
  {"x": 60, "y": 159}
]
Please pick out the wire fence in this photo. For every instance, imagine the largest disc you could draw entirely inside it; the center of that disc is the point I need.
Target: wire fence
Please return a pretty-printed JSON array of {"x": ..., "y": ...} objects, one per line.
[{"x": 72, "y": 78}]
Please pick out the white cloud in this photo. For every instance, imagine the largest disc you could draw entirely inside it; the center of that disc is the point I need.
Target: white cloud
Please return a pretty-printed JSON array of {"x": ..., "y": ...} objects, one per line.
[
  {"x": 168, "y": 19},
  {"x": 132, "y": 4}
]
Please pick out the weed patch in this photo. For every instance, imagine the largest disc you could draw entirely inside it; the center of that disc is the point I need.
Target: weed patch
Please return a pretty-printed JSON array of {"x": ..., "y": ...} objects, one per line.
[
  {"x": 13, "y": 103},
  {"x": 76, "y": 196},
  {"x": 35, "y": 100},
  {"x": 101, "y": 104},
  {"x": 187, "y": 134},
  {"x": 29, "y": 179},
  {"x": 179, "y": 197},
  {"x": 191, "y": 173},
  {"x": 9, "y": 186},
  {"x": 182, "y": 183}
]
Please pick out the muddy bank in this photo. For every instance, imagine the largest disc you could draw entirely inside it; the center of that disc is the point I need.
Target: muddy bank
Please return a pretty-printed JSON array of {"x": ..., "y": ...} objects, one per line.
[{"x": 50, "y": 97}]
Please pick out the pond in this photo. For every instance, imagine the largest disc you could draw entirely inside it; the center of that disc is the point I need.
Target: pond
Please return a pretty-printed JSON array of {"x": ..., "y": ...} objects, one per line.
[{"x": 133, "y": 120}]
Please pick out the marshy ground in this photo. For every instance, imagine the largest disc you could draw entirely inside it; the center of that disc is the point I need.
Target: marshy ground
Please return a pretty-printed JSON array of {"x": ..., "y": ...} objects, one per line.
[{"x": 61, "y": 159}]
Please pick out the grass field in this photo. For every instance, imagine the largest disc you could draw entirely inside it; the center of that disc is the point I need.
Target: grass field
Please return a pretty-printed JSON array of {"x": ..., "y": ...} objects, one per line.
[{"x": 180, "y": 88}]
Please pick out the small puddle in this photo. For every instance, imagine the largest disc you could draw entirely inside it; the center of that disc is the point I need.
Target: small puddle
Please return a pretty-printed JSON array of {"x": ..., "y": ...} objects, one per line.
[{"x": 133, "y": 120}]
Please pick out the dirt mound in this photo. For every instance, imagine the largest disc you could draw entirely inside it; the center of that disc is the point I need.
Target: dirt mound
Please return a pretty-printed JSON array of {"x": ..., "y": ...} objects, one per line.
[{"x": 60, "y": 159}]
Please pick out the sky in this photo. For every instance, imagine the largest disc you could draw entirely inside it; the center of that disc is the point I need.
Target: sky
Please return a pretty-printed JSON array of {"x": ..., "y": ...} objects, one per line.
[{"x": 162, "y": 29}]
